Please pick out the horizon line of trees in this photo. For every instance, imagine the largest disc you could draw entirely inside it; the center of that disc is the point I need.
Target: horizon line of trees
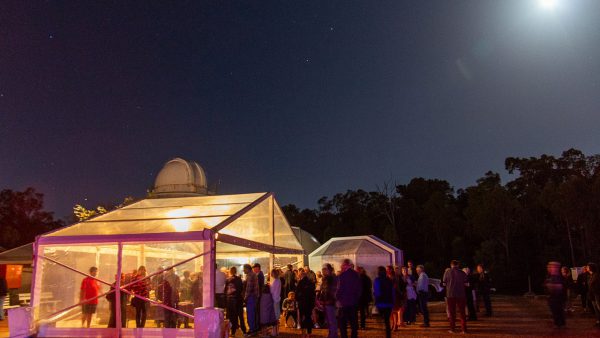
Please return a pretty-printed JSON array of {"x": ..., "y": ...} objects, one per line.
[{"x": 550, "y": 210}]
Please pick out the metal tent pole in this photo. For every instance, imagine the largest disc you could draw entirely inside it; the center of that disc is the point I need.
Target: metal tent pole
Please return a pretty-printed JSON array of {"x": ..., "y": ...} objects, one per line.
[{"x": 118, "y": 289}]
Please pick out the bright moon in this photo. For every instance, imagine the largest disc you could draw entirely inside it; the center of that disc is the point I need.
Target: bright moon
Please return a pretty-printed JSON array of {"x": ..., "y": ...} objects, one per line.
[{"x": 547, "y": 4}]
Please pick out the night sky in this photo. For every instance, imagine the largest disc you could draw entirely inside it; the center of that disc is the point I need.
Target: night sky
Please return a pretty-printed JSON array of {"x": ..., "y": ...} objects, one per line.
[{"x": 304, "y": 99}]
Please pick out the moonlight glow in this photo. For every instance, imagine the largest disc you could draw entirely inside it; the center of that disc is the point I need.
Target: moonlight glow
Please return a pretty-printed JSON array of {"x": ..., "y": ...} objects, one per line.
[{"x": 548, "y": 4}]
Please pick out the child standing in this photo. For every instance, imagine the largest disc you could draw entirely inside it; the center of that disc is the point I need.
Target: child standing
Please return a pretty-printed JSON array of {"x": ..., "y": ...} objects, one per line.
[{"x": 290, "y": 309}]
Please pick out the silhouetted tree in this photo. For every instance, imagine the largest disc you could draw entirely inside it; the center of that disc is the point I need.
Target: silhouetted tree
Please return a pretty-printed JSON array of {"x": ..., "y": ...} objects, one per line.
[{"x": 22, "y": 217}]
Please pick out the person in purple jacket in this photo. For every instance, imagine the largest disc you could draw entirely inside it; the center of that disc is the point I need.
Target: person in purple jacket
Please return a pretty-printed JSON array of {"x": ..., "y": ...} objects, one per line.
[
  {"x": 455, "y": 281},
  {"x": 347, "y": 294}
]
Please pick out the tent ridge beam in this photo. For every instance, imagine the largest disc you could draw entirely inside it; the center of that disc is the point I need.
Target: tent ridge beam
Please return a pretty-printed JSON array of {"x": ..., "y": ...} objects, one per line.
[
  {"x": 257, "y": 245},
  {"x": 130, "y": 238}
]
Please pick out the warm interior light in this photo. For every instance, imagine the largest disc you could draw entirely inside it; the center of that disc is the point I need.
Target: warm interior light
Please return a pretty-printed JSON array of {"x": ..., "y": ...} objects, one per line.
[
  {"x": 179, "y": 223},
  {"x": 212, "y": 221}
]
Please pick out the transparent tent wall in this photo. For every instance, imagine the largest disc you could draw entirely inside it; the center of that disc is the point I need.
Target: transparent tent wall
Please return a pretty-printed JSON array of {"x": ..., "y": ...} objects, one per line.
[
  {"x": 336, "y": 260},
  {"x": 62, "y": 269},
  {"x": 180, "y": 287},
  {"x": 315, "y": 262},
  {"x": 371, "y": 262},
  {"x": 61, "y": 283}
]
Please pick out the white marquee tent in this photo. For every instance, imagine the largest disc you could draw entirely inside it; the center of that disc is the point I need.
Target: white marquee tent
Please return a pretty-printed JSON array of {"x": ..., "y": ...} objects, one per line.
[
  {"x": 366, "y": 251},
  {"x": 178, "y": 233}
]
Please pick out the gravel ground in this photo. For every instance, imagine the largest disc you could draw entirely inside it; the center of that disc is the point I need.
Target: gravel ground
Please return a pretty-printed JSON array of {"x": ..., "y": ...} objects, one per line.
[{"x": 513, "y": 317}]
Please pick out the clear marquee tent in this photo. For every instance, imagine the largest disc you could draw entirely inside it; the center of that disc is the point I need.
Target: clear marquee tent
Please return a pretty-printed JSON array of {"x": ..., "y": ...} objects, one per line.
[
  {"x": 164, "y": 234},
  {"x": 366, "y": 251}
]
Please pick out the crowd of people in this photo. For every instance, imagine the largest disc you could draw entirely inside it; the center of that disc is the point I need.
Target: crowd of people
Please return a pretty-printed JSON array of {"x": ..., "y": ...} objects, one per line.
[
  {"x": 342, "y": 299},
  {"x": 464, "y": 291},
  {"x": 183, "y": 293},
  {"x": 303, "y": 299},
  {"x": 562, "y": 289}
]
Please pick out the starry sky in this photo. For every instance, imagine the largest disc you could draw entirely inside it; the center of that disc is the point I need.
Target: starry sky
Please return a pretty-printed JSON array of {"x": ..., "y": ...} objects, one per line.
[{"x": 304, "y": 99}]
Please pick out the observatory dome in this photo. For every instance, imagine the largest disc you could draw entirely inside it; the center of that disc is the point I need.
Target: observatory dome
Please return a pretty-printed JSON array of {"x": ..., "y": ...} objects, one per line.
[{"x": 180, "y": 178}]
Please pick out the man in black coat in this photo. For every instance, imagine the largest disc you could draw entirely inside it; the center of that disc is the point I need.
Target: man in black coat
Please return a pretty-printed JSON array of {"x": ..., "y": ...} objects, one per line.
[
  {"x": 583, "y": 287},
  {"x": 366, "y": 296},
  {"x": 347, "y": 295},
  {"x": 484, "y": 286},
  {"x": 289, "y": 278},
  {"x": 555, "y": 287}
]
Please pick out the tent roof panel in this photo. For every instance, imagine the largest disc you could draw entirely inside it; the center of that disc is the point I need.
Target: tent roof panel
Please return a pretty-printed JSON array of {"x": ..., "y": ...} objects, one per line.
[
  {"x": 163, "y": 215},
  {"x": 200, "y": 200},
  {"x": 366, "y": 245},
  {"x": 255, "y": 219},
  {"x": 139, "y": 226}
]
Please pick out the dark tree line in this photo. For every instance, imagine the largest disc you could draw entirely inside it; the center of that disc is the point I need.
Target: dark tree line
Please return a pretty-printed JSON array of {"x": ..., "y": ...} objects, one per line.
[
  {"x": 550, "y": 210},
  {"x": 22, "y": 217}
]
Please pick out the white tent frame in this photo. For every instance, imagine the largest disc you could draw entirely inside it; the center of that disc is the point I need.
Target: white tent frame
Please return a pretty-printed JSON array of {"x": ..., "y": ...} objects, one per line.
[
  {"x": 207, "y": 236},
  {"x": 397, "y": 255}
]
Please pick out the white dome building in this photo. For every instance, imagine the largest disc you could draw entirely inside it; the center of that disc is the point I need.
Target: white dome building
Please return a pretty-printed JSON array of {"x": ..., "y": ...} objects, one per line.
[{"x": 180, "y": 178}]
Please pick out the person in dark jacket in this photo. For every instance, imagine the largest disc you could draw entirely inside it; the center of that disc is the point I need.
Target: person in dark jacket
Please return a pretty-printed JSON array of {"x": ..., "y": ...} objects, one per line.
[
  {"x": 327, "y": 299},
  {"x": 412, "y": 272},
  {"x": 469, "y": 288},
  {"x": 594, "y": 284},
  {"x": 111, "y": 297},
  {"x": 583, "y": 287},
  {"x": 305, "y": 293},
  {"x": 349, "y": 288},
  {"x": 289, "y": 278},
  {"x": 251, "y": 298},
  {"x": 384, "y": 298},
  {"x": 169, "y": 295},
  {"x": 565, "y": 272},
  {"x": 400, "y": 300},
  {"x": 366, "y": 296},
  {"x": 484, "y": 286},
  {"x": 555, "y": 287},
  {"x": 455, "y": 280},
  {"x": 235, "y": 301}
]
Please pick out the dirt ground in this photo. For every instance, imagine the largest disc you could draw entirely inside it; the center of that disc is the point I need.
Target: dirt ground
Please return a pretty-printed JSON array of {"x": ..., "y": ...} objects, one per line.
[{"x": 513, "y": 317}]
